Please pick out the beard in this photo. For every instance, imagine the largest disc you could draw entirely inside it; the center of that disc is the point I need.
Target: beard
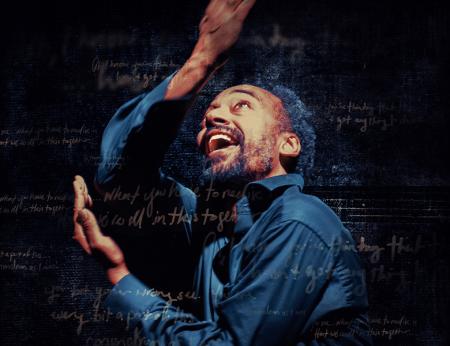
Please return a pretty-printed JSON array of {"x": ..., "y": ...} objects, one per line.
[{"x": 250, "y": 162}]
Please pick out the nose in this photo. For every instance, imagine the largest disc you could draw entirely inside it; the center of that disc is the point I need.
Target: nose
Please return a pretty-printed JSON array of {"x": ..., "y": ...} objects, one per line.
[{"x": 216, "y": 117}]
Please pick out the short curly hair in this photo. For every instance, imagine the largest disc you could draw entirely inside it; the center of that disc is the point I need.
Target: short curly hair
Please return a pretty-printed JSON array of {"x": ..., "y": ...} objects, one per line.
[{"x": 294, "y": 116}]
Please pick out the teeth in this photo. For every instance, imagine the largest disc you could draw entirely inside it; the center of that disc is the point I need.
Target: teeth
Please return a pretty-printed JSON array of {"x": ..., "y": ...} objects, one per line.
[
  {"x": 220, "y": 136},
  {"x": 220, "y": 141}
]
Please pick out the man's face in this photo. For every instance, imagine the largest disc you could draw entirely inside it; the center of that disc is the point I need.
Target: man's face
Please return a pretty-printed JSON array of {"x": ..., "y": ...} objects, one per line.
[{"x": 239, "y": 135}]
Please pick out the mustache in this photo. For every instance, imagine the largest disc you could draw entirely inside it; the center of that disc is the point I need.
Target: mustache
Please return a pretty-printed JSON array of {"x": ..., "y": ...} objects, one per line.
[{"x": 238, "y": 135}]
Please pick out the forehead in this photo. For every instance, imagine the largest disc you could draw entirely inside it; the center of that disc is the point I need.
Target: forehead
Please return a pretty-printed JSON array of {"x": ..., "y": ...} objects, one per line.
[{"x": 260, "y": 95}]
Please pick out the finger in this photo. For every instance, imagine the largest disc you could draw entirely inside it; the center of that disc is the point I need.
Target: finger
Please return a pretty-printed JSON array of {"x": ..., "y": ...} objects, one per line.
[
  {"x": 84, "y": 190},
  {"x": 90, "y": 227},
  {"x": 79, "y": 201},
  {"x": 89, "y": 201},
  {"x": 80, "y": 179},
  {"x": 203, "y": 26},
  {"x": 81, "y": 238},
  {"x": 79, "y": 204},
  {"x": 244, "y": 8},
  {"x": 233, "y": 4}
]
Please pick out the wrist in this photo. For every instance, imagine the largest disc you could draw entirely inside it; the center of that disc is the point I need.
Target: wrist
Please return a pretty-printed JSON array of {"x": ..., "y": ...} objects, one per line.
[
  {"x": 192, "y": 76},
  {"x": 116, "y": 274},
  {"x": 201, "y": 64},
  {"x": 207, "y": 57}
]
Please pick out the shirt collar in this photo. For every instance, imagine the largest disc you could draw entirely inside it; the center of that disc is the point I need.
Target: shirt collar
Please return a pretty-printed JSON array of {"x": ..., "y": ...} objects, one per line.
[
  {"x": 273, "y": 183},
  {"x": 258, "y": 196}
]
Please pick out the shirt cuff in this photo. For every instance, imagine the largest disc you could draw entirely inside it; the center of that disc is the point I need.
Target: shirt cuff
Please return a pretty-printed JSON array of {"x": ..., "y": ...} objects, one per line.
[
  {"x": 158, "y": 94},
  {"x": 132, "y": 299}
]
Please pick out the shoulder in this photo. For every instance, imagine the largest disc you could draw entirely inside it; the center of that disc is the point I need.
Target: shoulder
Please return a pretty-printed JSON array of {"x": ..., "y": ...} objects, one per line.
[{"x": 308, "y": 210}]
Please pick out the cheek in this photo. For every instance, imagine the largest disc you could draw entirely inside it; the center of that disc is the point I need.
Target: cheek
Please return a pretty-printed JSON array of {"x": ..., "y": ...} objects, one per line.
[
  {"x": 257, "y": 131},
  {"x": 200, "y": 137}
]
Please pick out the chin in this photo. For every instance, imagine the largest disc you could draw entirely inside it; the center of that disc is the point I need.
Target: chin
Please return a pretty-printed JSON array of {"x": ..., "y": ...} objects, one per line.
[
  {"x": 234, "y": 175},
  {"x": 225, "y": 173},
  {"x": 237, "y": 168}
]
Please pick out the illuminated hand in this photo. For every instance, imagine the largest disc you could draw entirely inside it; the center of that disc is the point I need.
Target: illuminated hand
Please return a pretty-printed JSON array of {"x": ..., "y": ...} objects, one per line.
[
  {"x": 219, "y": 31},
  {"x": 88, "y": 234},
  {"x": 220, "y": 28}
]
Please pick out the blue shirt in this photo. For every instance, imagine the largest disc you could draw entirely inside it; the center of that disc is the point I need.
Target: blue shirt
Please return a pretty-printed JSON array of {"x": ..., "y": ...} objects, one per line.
[{"x": 287, "y": 265}]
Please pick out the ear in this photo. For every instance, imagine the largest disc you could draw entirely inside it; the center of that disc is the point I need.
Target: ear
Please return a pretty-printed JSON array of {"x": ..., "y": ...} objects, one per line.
[{"x": 289, "y": 145}]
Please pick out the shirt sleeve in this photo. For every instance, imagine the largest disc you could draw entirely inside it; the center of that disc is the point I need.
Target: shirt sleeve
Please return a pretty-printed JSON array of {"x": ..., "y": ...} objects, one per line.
[
  {"x": 137, "y": 137},
  {"x": 137, "y": 198},
  {"x": 280, "y": 285}
]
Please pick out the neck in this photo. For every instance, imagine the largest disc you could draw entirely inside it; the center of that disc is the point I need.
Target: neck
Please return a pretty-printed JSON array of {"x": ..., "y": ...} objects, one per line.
[{"x": 277, "y": 170}]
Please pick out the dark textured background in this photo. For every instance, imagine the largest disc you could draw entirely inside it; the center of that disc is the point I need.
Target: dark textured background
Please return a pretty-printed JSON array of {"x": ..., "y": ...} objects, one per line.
[{"x": 374, "y": 73}]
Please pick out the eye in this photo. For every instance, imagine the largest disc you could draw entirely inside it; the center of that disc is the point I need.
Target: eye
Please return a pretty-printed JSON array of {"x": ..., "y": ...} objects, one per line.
[{"x": 241, "y": 105}]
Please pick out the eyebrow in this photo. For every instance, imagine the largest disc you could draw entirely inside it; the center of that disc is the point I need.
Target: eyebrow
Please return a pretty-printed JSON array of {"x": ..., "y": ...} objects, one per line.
[
  {"x": 243, "y": 91},
  {"x": 248, "y": 92}
]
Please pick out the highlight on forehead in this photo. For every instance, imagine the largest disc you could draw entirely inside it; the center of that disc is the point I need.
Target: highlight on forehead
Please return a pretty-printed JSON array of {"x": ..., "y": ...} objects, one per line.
[
  {"x": 248, "y": 92},
  {"x": 257, "y": 93}
]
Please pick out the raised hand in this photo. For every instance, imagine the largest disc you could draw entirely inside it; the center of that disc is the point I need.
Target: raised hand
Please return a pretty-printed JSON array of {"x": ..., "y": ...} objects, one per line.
[
  {"x": 88, "y": 234},
  {"x": 219, "y": 31},
  {"x": 220, "y": 28}
]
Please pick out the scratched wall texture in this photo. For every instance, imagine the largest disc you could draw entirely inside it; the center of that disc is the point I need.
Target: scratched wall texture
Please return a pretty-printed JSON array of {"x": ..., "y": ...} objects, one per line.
[{"x": 373, "y": 73}]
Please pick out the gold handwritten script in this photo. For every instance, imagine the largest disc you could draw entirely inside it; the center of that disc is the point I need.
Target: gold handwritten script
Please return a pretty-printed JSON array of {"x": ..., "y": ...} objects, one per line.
[
  {"x": 98, "y": 314},
  {"x": 64, "y": 135},
  {"x": 49, "y": 202},
  {"x": 294, "y": 45},
  {"x": 136, "y": 75}
]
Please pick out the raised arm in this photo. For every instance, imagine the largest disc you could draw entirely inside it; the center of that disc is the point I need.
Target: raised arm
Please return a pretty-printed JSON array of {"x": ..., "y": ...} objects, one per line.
[
  {"x": 136, "y": 138},
  {"x": 148, "y": 124}
]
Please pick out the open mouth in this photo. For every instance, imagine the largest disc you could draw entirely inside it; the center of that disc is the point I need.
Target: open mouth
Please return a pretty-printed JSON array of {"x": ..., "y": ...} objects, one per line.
[{"x": 217, "y": 140}]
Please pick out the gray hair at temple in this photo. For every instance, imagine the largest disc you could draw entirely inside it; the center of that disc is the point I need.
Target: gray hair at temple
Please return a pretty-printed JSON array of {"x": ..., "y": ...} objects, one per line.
[{"x": 296, "y": 117}]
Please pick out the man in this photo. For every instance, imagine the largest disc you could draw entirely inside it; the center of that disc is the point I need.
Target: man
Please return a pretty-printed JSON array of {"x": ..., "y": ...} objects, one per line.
[{"x": 285, "y": 265}]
